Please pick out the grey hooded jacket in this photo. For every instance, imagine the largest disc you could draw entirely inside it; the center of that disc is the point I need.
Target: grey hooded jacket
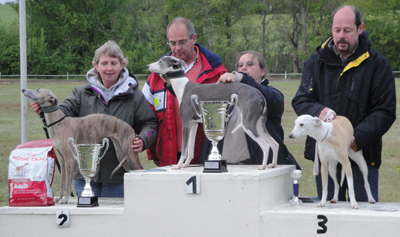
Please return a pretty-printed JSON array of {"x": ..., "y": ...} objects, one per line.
[{"x": 125, "y": 101}]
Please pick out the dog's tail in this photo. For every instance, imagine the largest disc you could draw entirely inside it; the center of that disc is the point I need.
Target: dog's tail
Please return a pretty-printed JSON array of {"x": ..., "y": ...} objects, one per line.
[
  {"x": 118, "y": 167},
  {"x": 341, "y": 181}
]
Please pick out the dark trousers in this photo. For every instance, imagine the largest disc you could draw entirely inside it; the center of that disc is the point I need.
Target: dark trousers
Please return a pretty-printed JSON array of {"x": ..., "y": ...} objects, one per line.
[{"x": 359, "y": 190}]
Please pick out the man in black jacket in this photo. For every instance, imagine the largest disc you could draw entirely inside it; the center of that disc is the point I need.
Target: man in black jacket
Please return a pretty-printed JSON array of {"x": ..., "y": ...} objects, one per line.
[{"x": 346, "y": 77}]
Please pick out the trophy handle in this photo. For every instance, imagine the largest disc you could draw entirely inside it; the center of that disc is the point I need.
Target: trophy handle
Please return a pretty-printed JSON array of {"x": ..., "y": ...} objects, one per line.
[
  {"x": 194, "y": 98},
  {"x": 72, "y": 147},
  {"x": 234, "y": 100},
  {"x": 106, "y": 143}
]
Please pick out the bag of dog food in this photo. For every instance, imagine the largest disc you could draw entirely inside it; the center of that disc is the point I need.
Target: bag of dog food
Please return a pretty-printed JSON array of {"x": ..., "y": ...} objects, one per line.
[{"x": 30, "y": 174}]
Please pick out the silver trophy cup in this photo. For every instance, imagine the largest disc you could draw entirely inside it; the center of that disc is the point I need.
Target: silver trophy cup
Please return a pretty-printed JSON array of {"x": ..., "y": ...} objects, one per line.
[
  {"x": 296, "y": 175},
  {"x": 88, "y": 158},
  {"x": 214, "y": 117}
]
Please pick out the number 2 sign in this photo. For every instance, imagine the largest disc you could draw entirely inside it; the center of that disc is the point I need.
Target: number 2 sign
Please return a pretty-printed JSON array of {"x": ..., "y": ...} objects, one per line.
[{"x": 62, "y": 218}]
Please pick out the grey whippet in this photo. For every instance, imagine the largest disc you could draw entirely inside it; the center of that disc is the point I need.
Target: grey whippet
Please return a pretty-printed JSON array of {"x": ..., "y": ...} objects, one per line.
[
  {"x": 251, "y": 103},
  {"x": 333, "y": 140},
  {"x": 90, "y": 129}
]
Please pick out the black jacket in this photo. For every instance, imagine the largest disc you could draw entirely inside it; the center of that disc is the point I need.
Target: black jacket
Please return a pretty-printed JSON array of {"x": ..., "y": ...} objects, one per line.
[
  {"x": 275, "y": 109},
  {"x": 362, "y": 88}
]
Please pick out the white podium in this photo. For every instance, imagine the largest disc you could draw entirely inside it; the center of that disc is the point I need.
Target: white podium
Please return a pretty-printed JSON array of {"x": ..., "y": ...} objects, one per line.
[{"x": 241, "y": 202}]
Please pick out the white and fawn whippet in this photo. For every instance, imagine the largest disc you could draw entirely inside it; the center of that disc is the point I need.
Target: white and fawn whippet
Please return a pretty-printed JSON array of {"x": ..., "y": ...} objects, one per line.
[
  {"x": 90, "y": 129},
  {"x": 333, "y": 140},
  {"x": 251, "y": 103}
]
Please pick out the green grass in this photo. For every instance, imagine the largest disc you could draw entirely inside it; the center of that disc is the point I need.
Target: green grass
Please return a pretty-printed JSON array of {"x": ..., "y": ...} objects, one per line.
[
  {"x": 10, "y": 137},
  {"x": 7, "y": 14}
]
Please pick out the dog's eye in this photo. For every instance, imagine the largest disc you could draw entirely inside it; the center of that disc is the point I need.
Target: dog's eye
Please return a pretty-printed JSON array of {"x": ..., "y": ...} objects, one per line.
[{"x": 302, "y": 124}]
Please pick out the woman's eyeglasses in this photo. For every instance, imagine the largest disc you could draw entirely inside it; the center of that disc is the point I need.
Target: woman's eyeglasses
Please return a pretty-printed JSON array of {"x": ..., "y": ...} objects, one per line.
[{"x": 248, "y": 63}]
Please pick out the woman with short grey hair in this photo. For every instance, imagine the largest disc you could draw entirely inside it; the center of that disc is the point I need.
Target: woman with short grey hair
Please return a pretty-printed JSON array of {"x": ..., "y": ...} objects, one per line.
[{"x": 112, "y": 90}]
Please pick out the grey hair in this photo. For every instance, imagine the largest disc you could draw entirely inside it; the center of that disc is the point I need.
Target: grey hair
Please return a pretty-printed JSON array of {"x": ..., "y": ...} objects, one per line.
[
  {"x": 111, "y": 49},
  {"x": 186, "y": 22},
  {"x": 358, "y": 16}
]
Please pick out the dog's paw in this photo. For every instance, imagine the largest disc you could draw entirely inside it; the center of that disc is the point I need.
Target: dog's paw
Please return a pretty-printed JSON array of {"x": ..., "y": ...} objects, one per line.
[
  {"x": 354, "y": 206},
  {"x": 371, "y": 201},
  {"x": 321, "y": 204},
  {"x": 333, "y": 200},
  {"x": 56, "y": 200},
  {"x": 261, "y": 167},
  {"x": 271, "y": 165},
  {"x": 62, "y": 200},
  {"x": 176, "y": 167}
]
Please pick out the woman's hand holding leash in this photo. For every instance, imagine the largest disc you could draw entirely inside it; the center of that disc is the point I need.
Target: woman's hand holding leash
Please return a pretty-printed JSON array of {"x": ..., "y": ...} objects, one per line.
[
  {"x": 137, "y": 145},
  {"x": 36, "y": 108}
]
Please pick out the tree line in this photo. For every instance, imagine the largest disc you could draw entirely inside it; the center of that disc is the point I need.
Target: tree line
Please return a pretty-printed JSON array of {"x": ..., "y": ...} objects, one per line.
[{"x": 63, "y": 35}]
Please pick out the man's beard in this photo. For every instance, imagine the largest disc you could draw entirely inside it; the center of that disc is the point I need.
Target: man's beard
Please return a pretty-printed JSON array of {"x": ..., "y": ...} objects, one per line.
[{"x": 343, "y": 48}]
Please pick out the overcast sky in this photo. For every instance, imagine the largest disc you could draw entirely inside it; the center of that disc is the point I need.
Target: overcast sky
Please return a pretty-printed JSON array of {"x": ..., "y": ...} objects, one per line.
[{"x": 4, "y": 1}]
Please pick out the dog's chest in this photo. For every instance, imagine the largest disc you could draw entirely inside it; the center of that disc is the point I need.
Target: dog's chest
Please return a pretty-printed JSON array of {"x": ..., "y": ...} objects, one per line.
[{"x": 327, "y": 151}]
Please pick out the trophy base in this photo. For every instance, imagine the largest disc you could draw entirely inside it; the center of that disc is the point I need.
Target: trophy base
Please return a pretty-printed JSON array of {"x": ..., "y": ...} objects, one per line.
[
  {"x": 215, "y": 166},
  {"x": 88, "y": 201},
  {"x": 295, "y": 201}
]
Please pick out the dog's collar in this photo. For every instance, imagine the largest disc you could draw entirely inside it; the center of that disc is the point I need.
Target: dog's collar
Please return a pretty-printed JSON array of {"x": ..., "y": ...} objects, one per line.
[
  {"x": 61, "y": 119},
  {"x": 175, "y": 74},
  {"x": 326, "y": 134},
  {"x": 50, "y": 109}
]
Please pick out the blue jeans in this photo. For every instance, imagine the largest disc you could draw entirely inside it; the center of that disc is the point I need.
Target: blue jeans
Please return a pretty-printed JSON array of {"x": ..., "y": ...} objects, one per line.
[
  {"x": 100, "y": 189},
  {"x": 359, "y": 190}
]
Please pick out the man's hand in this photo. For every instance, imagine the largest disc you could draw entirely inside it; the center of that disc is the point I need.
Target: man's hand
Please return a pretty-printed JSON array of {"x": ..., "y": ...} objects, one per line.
[
  {"x": 165, "y": 79},
  {"x": 137, "y": 145},
  {"x": 353, "y": 144},
  {"x": 327, "y": 115}
]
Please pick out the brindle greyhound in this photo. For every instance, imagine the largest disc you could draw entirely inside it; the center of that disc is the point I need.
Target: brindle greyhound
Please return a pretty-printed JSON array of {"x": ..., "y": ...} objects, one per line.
[
  {"x": 251, "y": 103},
  {"x": 90, "y": 129}
]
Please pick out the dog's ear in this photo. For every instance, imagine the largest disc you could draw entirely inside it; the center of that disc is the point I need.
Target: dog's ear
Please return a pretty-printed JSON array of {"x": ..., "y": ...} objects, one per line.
[
  {"x": 53, "y": 100},
  {"x": 317, "y": 122},
  {"x": 178, "y": 64},
  {"x": 183, "y": 64}
]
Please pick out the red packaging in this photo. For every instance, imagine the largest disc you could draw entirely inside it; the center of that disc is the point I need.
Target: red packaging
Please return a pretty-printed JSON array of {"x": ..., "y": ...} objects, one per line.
[{"x": 31, "y": 173}]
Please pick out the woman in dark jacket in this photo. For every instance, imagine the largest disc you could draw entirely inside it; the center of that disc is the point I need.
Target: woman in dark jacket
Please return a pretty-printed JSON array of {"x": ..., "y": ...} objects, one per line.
[{"x": 240, "y": 148}]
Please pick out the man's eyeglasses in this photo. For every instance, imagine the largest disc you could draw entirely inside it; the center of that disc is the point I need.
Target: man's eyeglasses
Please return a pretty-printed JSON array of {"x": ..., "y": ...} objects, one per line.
[
  {"x": 180, "y": 43},
  {"x": 248, "y": 63}
]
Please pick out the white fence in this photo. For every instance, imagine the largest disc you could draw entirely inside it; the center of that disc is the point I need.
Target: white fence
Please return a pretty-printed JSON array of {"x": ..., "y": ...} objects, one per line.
[
  {"x": 62, "y": 77},
  {"x": 284, "y": 75}
]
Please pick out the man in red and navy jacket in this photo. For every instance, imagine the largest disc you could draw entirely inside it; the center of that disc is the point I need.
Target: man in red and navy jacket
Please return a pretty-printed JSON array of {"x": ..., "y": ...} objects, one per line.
[{"x": 203, "y": 67}]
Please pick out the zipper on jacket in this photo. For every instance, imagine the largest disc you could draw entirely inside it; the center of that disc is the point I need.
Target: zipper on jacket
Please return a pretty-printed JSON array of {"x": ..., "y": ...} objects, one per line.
[
  {"x": 352, "y": 80},
  {"x": 310, "y": 88}
]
